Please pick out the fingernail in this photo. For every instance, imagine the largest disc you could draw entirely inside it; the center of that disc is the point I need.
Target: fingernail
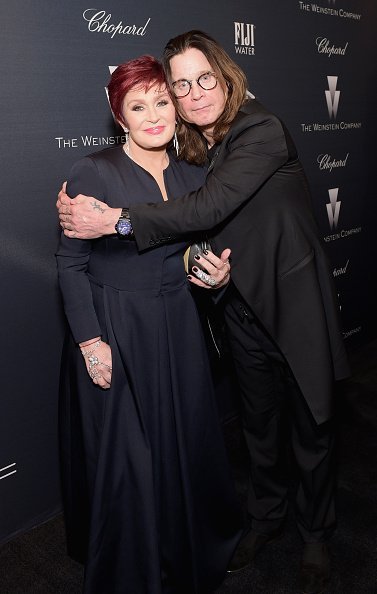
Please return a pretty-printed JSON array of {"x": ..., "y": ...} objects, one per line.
[
  {"x": 189, "y": 276},
  {"x": 197, "y": 257},
  {"x": 205, "y": 252},
  {"x": 195, "y": 269}
]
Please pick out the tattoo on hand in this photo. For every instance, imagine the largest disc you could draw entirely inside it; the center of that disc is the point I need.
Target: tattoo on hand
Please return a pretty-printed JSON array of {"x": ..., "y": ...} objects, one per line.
[{"x": 96, "y": 206}]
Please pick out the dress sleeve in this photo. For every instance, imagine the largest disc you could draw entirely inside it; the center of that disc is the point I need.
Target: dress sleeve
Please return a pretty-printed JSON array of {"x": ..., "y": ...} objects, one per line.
[
  {"x": 254, "y": 152},
  {"x": 73, "y": 257}
]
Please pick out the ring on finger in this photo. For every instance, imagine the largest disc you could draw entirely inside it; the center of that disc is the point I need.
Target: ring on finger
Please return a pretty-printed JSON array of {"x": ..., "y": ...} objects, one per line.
[
  {"x": 107, "y": 366},
  {"x": 205, "y": 278},
  {"x": 94, "y": 374}
]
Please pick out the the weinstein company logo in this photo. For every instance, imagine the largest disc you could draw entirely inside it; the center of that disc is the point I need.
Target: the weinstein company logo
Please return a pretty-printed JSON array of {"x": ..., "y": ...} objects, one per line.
[
  {"x": 332, "y": 96},
  {"x": 244, "y": 41},
  {"x": 332, "y": 100},
  {"x": 328, "y": 10},
  {"x": 88, "y": 139},
  {"x": 333, "y": 208},
  {"x": 111, "y": 70}
]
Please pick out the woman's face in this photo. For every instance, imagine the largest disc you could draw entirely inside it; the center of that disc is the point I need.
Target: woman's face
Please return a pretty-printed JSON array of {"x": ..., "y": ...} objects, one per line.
[
  {"x": 199, "y": 107},
  {"x": 150, "y": 116}
]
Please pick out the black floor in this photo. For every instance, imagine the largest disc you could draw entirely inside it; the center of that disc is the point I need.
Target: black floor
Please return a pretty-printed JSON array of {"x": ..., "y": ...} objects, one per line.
[{"x": 36, "y": 563}]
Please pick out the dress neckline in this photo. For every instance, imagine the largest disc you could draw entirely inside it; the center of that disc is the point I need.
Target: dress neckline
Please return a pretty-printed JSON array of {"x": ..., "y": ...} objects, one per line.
[{"x": 142, "y": 166}]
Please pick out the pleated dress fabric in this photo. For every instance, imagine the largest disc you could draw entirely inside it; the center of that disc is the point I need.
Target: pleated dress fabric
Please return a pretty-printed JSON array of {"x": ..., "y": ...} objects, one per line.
[{"x": 149, "y": 501}]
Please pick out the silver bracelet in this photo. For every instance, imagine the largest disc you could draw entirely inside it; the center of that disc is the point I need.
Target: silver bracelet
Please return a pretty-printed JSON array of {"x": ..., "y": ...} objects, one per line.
[
  {"x": 93, "y": 373},
  {"x": 91, "y": 351}
]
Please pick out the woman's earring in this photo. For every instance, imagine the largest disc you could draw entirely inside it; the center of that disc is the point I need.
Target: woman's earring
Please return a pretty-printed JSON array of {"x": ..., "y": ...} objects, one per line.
[
  {"x": 176, "y": 143},
  {"x": 127, "y": 141}
]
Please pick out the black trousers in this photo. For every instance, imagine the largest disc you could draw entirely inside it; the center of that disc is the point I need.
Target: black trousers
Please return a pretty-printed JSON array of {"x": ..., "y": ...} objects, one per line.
[{"x": 275, "y": 414}]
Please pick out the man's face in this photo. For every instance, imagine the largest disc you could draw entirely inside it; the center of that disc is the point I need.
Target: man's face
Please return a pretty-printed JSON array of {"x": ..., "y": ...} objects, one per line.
[{"x": 199, "y": 107}]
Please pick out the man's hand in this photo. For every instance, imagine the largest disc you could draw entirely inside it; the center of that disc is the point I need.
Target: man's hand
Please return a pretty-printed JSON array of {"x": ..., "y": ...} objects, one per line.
[
  {"x": 85, "y": 217},
  {"x": 218, "y": 270}
]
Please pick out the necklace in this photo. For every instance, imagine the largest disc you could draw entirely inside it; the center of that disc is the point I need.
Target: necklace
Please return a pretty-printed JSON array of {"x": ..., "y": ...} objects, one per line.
[{"x": 127, "y": 150}]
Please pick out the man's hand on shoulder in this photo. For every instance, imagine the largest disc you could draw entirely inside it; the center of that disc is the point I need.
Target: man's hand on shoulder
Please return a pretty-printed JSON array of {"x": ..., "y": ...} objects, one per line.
[{"x": 85, "y": 217}]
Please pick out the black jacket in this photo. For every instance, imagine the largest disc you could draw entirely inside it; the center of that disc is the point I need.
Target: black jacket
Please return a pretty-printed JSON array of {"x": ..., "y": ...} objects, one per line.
[{"x": 256, "y": 201}]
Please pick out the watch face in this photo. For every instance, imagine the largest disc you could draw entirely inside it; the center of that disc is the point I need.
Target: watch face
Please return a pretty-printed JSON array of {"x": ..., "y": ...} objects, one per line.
[{"x": 123, "y": 227}]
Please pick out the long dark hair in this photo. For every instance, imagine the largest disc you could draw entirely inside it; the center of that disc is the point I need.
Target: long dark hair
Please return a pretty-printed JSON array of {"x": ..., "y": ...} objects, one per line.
[{"x": 231, "y": 78}]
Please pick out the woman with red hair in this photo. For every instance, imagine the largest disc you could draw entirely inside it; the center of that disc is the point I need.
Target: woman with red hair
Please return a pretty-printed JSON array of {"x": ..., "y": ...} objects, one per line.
[{"x": 149, "y": 502}]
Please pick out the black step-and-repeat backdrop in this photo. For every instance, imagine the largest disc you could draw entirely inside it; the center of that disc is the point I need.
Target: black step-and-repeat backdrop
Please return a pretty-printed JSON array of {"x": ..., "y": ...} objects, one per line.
[{"x": 313, "y": 63}]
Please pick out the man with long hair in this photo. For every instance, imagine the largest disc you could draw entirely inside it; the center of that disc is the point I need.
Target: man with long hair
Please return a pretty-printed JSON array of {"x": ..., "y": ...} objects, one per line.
[{"x": 280, "y": 307}]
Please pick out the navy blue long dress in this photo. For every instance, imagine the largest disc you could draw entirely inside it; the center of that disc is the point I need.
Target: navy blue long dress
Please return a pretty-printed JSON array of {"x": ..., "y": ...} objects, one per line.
[{"x": 149, "y": 502}]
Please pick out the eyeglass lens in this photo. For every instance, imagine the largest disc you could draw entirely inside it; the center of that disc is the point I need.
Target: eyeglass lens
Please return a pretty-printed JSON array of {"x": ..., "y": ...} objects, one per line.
[{"x": 206, "y": 81}]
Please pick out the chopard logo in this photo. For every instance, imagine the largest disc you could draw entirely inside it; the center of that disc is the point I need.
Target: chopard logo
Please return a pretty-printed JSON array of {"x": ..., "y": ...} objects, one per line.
[
  {"x": 342, "y": 270},
  {"x": 325, "y": 47},
  {"x": 244, "y": 41},
  {"x": 98, "y": 22},
  {"x": 328, "y": 163},
  {"x": 332, "y": 96}
]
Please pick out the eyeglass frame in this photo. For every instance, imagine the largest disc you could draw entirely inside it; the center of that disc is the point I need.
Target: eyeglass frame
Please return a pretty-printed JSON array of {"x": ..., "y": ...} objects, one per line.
[{"x": 197, "y": 82}]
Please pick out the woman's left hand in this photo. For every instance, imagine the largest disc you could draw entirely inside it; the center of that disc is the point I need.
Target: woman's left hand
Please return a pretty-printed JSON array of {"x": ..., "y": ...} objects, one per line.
[{"x": 218, "y": 270}]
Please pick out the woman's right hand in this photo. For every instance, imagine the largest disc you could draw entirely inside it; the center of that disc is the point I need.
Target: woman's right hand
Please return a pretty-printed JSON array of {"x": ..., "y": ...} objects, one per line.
[{"x": 98, "y": 361}]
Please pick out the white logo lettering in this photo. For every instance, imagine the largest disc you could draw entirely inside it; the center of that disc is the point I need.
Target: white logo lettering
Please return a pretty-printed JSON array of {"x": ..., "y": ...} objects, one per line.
[
  {"x": 244, "y": 42},
  {"x": 324, "y": 47},
  {"x": 328, "y": 163},
  {"x": 243, "y": 34},
  {"x": 340, "y": 271},
  {"x": 98, "y": 22}
]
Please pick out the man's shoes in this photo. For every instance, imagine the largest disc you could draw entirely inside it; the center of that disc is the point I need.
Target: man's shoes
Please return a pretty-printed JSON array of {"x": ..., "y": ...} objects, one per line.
[
  {"x": 315, "y": 568},
  {"x": 249, "y": 546}
]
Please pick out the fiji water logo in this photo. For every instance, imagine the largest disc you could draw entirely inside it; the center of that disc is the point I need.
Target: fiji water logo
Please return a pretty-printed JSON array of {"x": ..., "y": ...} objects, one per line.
[{"x": 244, "y": 38}]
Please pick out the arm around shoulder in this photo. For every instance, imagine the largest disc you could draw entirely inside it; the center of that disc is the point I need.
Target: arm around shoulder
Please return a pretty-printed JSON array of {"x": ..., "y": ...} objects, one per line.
[
  {"x": 253, "y": 150},
  {"x": 85, "y": 216}
]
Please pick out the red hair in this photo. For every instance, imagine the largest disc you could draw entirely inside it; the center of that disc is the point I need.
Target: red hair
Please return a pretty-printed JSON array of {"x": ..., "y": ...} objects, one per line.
[{"x": 140, "y": 73}]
